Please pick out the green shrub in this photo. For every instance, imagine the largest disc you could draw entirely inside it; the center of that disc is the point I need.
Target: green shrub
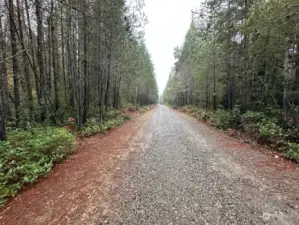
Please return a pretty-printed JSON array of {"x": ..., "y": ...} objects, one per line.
[
  {"x": 192, "y": 109},
  {"x": 142, "y": 110},
  {"x": 130, "y": 107},
  {"x": 27, "y": 155},
  {"x": 112, "y": 119},
  {"x": 198, "y": 114},
  {"x": 293, "y": 152},
  {"x": 93, "y": 126},
  {"x": 236, "y": 116},
  {"x": 114, "y": 123},
  {"x": 205, "y": 116},
  {"x": 111, "y": 114},
  {"x": 264, "y": 126},
  {"x": 269, "y": 131},
  {"x": 252, "y": 117},
  {"x": 187, "y": 109},
  {"x": 223, "y": 119},
  {"x": 292, "y": 134},
  {"x": 126, "y": 117},
  {"x": 250, "y": 122},
  {"x": 272, "y": 112}
]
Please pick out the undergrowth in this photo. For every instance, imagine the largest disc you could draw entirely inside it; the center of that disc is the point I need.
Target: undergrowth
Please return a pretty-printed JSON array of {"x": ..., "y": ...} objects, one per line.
[
  {"x": 266, "y": 127},
  {"x": 28, "y": 155},
  {"x": 112, "y": 118}
]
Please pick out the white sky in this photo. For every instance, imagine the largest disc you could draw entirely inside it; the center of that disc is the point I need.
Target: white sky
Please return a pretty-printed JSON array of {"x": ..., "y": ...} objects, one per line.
[{"x": 169, "y": 21}]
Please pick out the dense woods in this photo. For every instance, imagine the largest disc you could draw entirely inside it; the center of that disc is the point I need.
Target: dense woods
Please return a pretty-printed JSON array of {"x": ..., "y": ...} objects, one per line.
[
  {"x": 241, "y": 52},
  {"x": 71, "y": 58},
  {"x": 240, "y": 60}
]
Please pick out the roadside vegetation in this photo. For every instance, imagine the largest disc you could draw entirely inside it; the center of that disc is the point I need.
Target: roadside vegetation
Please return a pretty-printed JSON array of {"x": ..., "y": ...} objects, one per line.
[
  {"x": 266, "y": 127},
  {"x": 31, "y": 153},
  {"x": 112, "y": 118},
  {"x": 239, "y": 67},
  {"x": 66, "y": 69}
]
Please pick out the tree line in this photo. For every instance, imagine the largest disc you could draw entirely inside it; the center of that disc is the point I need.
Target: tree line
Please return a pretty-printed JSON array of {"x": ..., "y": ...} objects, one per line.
[
  {"x": 239, "y": 52},
  {"x": 71, "y": 58}
]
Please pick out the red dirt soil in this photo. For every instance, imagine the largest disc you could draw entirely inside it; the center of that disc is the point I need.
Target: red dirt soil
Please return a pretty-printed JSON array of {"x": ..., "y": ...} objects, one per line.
[{"x": 76, "y": 192}]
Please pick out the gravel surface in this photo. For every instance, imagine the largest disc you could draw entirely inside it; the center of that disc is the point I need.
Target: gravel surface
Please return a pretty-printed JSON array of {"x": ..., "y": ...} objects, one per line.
[{"x": 180, "y": 171}]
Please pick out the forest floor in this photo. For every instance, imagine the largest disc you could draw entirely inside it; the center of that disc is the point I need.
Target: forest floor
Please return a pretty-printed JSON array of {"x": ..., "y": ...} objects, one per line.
[{"x": 163, "y": 167}]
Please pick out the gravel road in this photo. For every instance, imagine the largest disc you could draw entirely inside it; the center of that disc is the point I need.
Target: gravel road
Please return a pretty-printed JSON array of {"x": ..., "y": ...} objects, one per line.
[
  {"x": 162, "y": 167},
  {"x": 179, "y": 171}
]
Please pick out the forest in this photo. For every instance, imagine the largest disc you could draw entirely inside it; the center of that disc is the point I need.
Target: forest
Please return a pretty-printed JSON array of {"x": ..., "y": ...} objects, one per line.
[
  {"x": 239, "y": 69},
  {"x": 66, "y": 62},
  {"x": 73, "y": 58}
]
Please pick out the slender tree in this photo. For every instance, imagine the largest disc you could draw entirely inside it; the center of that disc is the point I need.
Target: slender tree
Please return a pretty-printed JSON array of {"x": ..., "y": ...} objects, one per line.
[{"x": 15, "y": 66}]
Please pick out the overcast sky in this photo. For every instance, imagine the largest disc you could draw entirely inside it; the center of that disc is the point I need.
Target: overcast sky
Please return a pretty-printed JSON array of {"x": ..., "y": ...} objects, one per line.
[{"x": 169, "y": 21}]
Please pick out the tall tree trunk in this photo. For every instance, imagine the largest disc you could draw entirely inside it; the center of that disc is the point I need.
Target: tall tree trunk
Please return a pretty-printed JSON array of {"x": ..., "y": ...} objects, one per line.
[
  {"x": 37, "y": 84},
  {"x": 79, "y": 80},
  {"x": 15, "y": 66},
  {"x": 118, "y": 92},
  {"x": 229, "y": 61},
  {"x": 2, "y": 129},
  {"x": 207, "y": 90},
  {"x": 289, "y": 73},
  {"x": 64, "y": 74},
  {"x": 3, "y": 74},
  {"x": 70, "y": 70},
  {"x": 85, "y": 69},
  {"x": 55, "y": 60},
  {"x": 108, "y": 73},
  {"x": 103, "y": 77},
  {"x": 40, "y": 52},
  {"x": 115, "y": 91},
  {"x": 48, "y": 58},
  {"x": 25, "y": 65},
  {"x": 214, "y": 78}
]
